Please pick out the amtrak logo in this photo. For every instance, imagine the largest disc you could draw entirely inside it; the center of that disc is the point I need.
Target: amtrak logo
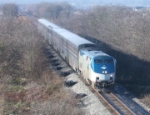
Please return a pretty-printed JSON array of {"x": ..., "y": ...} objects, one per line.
[{"x": 104, "y": 67}]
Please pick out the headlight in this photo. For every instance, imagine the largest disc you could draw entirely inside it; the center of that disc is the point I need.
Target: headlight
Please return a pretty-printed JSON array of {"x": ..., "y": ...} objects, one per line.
[
  {"x": 111, "y": 75},
  {"x": 105, "y": 72}
]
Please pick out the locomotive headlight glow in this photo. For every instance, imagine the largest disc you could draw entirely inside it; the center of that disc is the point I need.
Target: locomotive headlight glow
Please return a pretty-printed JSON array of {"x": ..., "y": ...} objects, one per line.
[
  {"x": 111, "y": 75},
  {"x": 105, "y": 72}
]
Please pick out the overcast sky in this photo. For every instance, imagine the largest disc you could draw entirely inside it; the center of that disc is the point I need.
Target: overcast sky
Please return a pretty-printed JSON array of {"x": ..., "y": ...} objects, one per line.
[{"x": 81, "y": 2}]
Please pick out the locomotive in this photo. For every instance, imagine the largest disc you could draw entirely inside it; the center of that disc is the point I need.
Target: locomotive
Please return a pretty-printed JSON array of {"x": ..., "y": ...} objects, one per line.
[{"x": 97, "y": 67}]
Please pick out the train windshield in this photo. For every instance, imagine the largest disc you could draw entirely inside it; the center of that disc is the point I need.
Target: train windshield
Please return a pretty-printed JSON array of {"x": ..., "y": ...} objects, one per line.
[
  {"x": 108, "y": 60},
  {"x": 103, "y": 64},
  {"x": 100, "y": 61}
]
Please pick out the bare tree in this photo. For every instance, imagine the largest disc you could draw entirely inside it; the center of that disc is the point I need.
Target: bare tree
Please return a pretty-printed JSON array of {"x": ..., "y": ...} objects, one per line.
[
  {"x": 10, "y": 10},
  {"x": 51, "y": 11}
]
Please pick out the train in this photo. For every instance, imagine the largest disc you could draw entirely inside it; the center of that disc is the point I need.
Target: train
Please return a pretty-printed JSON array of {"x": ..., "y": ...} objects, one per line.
[{"x": 84, "y": 56}]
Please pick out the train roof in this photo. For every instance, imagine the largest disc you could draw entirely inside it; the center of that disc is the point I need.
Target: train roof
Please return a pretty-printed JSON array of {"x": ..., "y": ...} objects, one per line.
[
  {"x": 94, "y": 53},
  {"x": 73, "y": 38},
  {"x": 47, "y": 23}
]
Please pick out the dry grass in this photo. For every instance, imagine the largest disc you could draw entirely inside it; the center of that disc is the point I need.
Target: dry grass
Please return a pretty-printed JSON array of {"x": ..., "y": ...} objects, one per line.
[
  {"x": 1, "y": 100},
  {"x": 146, "y": 100},
  {"x": 28, "y": 86},
  {"x": 41, "y": 98}
]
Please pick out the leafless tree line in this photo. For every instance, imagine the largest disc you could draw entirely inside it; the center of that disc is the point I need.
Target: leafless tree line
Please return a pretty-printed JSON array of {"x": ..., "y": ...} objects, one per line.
[
  {"x": 10, "y": 10},
  {"x": 50, "y": 11},
  {"x": 23, "y": 62},
  {"x": 19, "y": 47}
]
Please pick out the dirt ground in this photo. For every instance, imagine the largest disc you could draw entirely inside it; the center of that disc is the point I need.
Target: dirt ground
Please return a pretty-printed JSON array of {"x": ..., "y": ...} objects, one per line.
[{"x": 1, "y": 100}]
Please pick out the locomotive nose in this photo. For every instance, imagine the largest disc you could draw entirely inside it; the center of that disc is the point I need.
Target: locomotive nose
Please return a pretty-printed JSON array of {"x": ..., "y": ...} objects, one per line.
[
  {"x": 111, "y": 78},
  {"x": 104, "y": 85},
  {"x": 104, "y": 72}
]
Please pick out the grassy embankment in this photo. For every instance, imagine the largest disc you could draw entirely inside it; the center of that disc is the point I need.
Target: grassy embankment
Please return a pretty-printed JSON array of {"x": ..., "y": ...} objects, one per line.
[{"x": 27, "y": 85}]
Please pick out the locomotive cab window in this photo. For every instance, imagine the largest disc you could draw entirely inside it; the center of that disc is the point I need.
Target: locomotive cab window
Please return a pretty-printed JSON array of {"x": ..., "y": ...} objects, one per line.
[
  {"x": 98, "y": 61},
  {"x": 89, "y": 45},
  {"x": 108, "y": 60}
]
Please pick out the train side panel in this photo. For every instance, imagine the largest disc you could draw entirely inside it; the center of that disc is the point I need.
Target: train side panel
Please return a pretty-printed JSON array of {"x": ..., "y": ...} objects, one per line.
[
  {"x": 65, "y": 42},
  {"x": 50, "y": 35},
  {"x": 84, "y": 65},
  {"x": 65, "y": 49}
]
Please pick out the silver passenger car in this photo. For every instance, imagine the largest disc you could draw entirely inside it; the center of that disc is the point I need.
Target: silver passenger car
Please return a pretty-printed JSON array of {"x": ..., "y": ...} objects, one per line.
[{"x": 65, "y": 42}]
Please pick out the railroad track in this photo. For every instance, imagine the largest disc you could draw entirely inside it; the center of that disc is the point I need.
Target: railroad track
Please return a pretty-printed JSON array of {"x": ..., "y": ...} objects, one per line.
[
  {"x": 117, "y": 105},
  {"x": 124, "y": 95},
  {"x": 114, "y": 103},
  {"x": 111, "y": 101}
]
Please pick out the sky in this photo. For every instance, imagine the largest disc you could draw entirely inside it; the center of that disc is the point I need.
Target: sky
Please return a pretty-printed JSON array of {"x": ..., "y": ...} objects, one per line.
[{"x": 86, "y": 2}]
